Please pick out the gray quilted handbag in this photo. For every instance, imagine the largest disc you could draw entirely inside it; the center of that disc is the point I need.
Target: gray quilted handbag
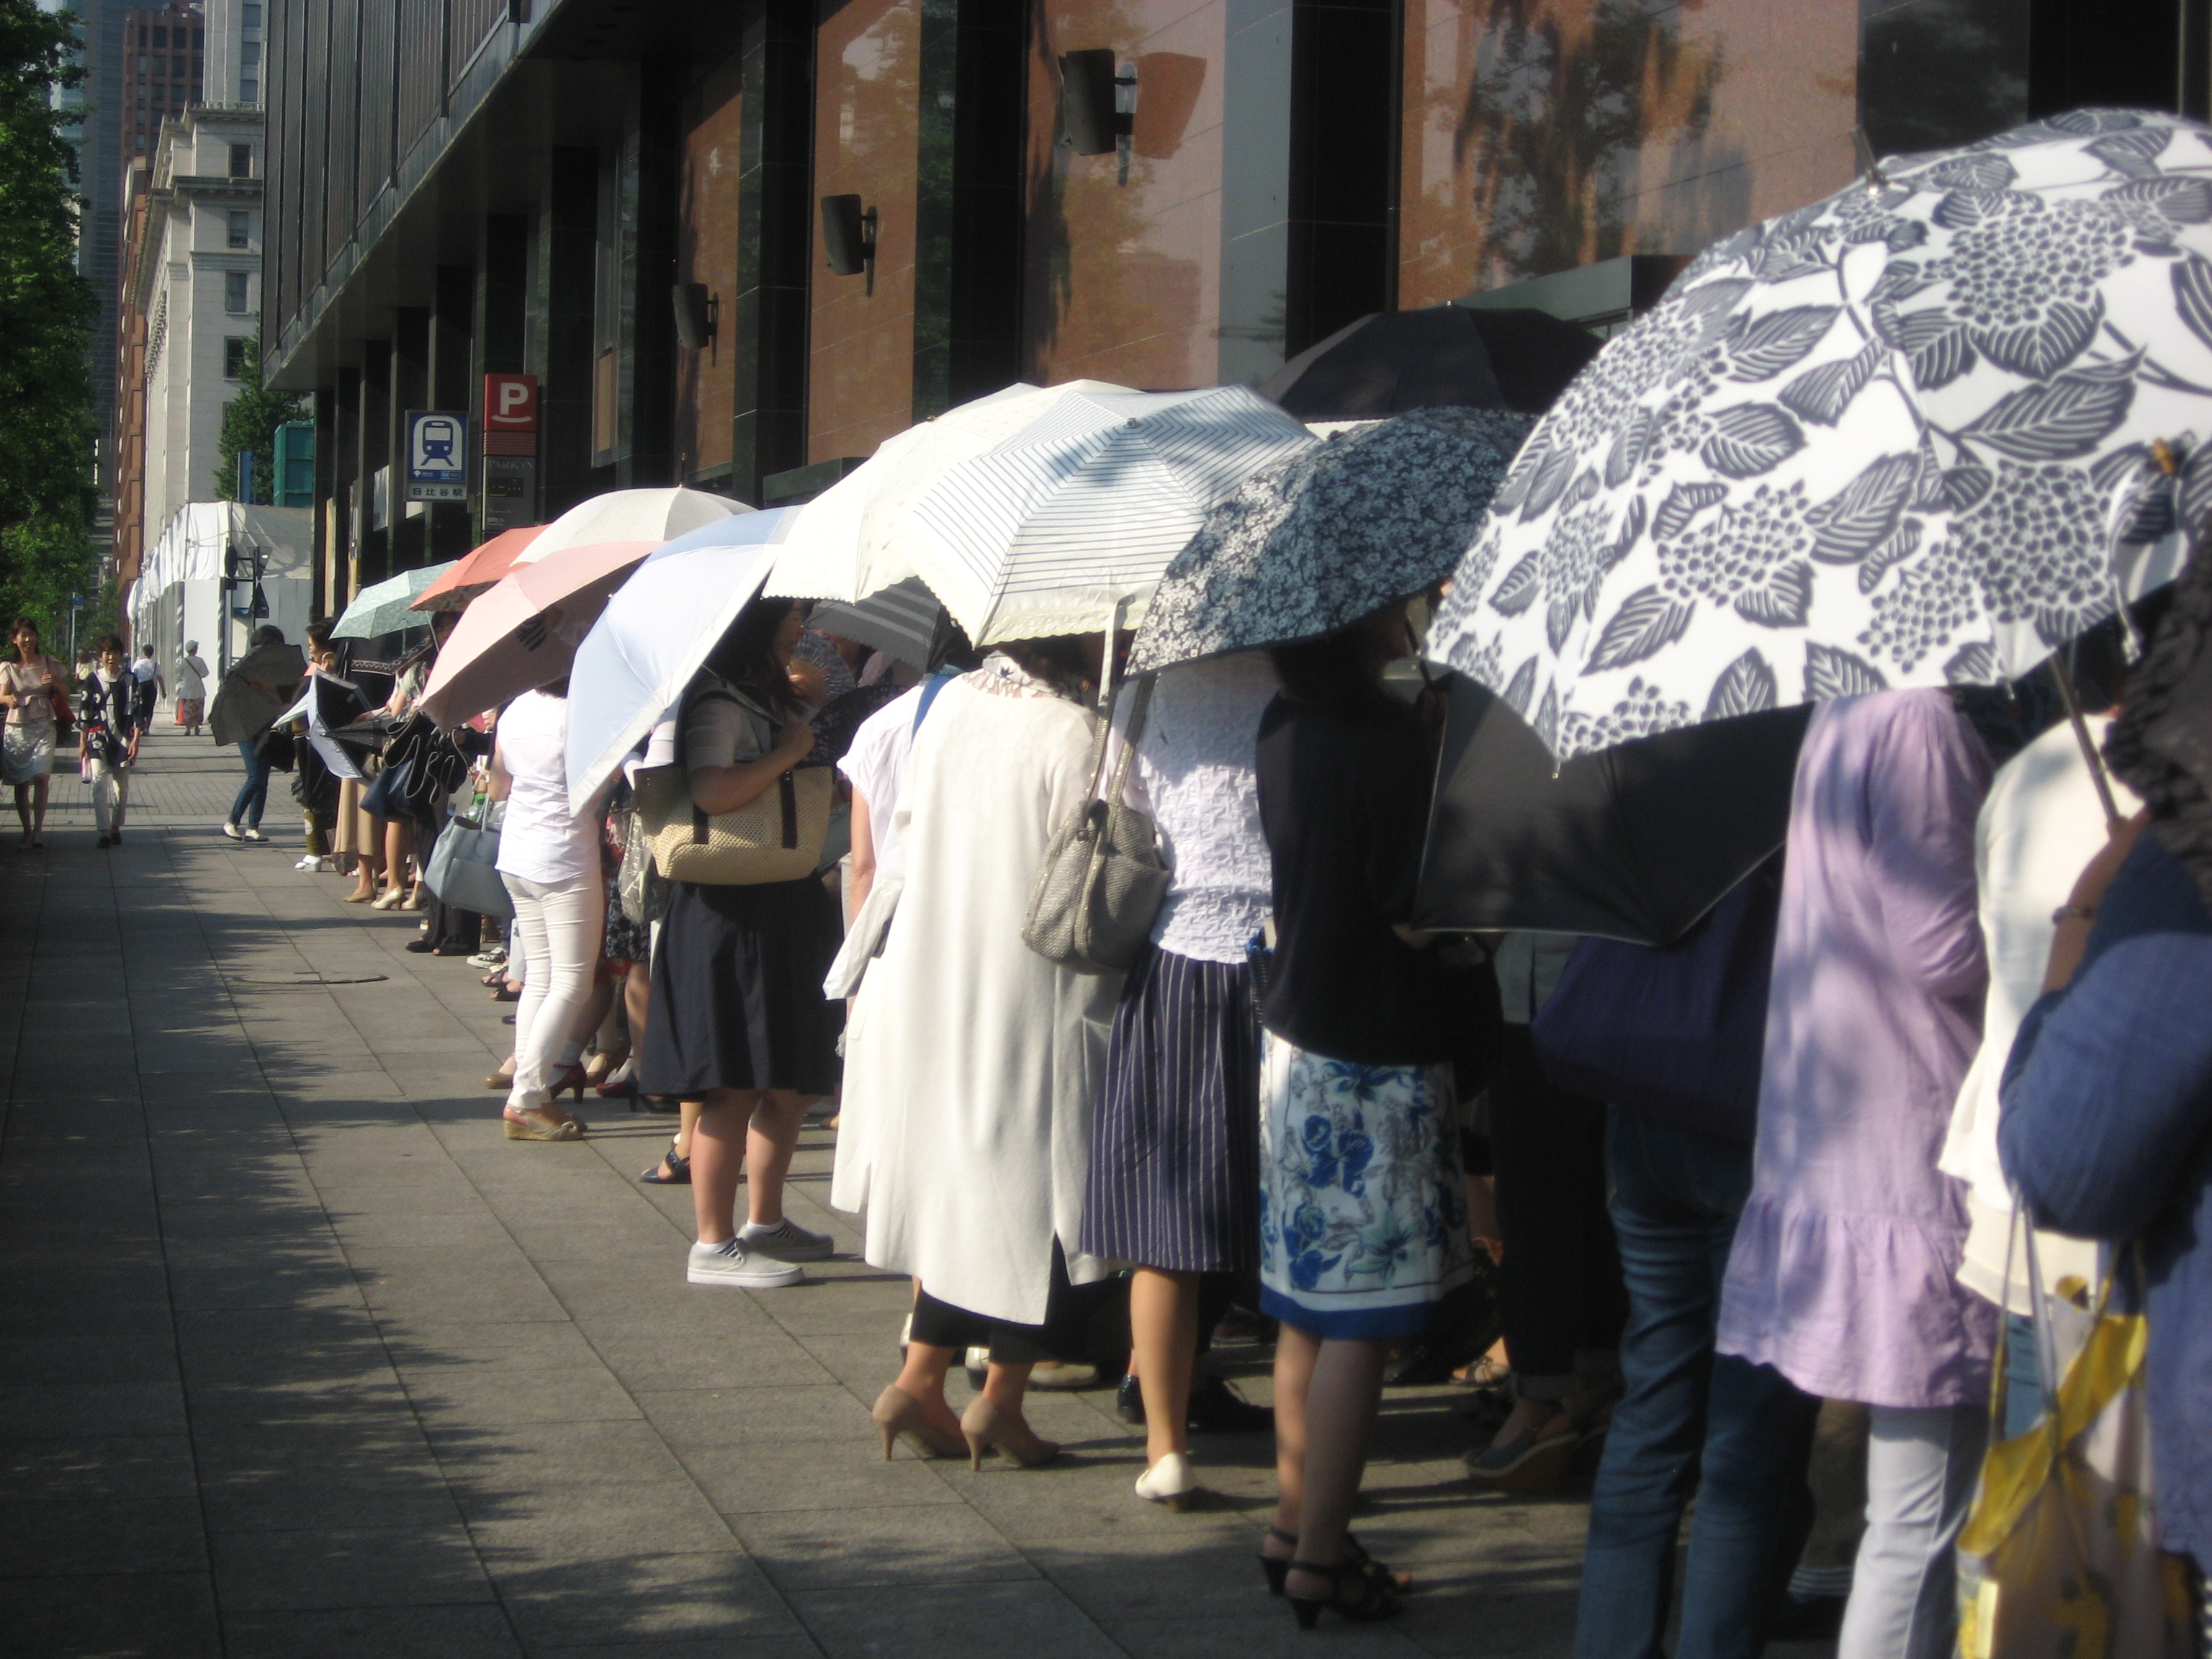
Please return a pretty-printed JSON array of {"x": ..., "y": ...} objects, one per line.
[{"x": 1103, "y": 881}]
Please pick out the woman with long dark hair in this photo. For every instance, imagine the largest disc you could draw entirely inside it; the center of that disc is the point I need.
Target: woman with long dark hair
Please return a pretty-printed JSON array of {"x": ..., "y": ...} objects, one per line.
[
  {"x": 31, "y": 684},
  {"x": 739, "y": 1023},
  {"x": 1362, "y": 1206}
]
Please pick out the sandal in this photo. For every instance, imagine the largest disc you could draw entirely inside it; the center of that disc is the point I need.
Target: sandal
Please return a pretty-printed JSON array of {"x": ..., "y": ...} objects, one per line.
[
  {"x": 1372, "y": 1603},
  {"x": 673, "y": 1170},
  {"x": 1278, "y": 1568}
]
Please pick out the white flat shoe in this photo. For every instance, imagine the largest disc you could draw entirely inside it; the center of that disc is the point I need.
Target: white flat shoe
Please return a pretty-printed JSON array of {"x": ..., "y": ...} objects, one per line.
[{"x": 1169, "y": 1481}]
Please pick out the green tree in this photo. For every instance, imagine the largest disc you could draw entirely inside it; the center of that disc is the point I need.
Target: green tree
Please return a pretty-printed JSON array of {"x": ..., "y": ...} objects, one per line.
[
  {"x": 46, "y": 315},
  {"x": 249, "y": 426}
]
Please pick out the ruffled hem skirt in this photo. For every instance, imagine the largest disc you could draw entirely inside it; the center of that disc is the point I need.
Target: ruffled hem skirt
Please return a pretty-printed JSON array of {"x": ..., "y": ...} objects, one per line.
[{"x": 1864, "y": 1308}]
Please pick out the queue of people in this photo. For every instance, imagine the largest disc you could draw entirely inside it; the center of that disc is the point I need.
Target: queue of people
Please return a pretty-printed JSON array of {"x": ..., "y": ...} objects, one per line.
[{"x": 1296, "y": 1100}]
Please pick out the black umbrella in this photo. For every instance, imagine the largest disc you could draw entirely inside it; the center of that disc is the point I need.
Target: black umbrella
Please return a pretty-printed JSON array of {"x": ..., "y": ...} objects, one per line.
[
  {"x": 1633, "y": 843},
  {"x": 1390, "y": 361}
]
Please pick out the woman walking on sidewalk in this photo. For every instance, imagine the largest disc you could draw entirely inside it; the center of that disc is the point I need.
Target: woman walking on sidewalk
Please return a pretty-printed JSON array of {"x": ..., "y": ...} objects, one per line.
[
  {"x": 246, "y": 704},
  {"x": 111, "y": 720},
  {"x": 191, "y": 689},
  {"x": 30, "y": 685}
]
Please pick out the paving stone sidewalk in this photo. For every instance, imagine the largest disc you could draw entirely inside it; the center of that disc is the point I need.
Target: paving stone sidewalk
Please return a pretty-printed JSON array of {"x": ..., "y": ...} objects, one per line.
[{"x": 298, "y": 1356}]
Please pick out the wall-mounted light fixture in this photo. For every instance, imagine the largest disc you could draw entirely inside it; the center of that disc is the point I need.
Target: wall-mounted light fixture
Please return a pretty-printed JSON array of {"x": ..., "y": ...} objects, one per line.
[
  {"x": 1091, "y": 123},
  {"x": 849, "y": 236},
  {"x": 696, "y": 315}
]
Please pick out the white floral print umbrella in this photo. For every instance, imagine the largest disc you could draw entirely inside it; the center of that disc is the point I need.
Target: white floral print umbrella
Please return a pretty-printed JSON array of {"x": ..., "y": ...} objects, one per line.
[
  {"x": 1902, "y": 437},
  {"x": 1313, "y": 543}
]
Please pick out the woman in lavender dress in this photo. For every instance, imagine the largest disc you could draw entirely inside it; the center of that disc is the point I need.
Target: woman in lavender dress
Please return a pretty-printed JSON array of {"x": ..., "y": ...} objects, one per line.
[{"x": 1844, "y": 1276}]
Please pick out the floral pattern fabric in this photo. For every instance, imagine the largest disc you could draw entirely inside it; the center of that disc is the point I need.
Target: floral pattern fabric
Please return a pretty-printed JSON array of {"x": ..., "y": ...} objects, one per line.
[
  {"x": 1901, "y": 437},
  {"x": 1318, "y": 541},
  {"x": 1363, "y": 1210}
]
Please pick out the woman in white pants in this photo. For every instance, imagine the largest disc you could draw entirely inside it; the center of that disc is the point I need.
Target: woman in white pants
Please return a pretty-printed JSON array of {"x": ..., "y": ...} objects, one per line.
[
  {"x": 108, "y": 728},
  {"x": 548, "y": 858}
]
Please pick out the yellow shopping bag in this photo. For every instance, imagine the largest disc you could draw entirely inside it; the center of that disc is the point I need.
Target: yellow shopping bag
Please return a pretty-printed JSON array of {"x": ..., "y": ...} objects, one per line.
[{"x": 2059, "y": 1559}]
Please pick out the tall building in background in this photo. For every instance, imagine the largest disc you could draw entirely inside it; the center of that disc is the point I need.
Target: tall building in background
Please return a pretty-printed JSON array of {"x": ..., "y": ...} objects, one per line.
[
  {"x": 191, "y": 274},
  {"x": 99, "y": 240}
]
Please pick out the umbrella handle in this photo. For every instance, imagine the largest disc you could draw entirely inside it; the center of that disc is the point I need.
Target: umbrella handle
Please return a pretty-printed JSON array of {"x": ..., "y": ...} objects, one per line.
[{"x": 2096, "y": 762}]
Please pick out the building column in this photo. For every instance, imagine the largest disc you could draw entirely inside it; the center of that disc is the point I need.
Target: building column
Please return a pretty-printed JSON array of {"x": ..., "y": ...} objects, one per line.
[
  {"x": 371, "y": 545},
  {"x": 451, "y": 326},
  {"x": 409, "y": 539},
  {"x": 775, "y": 241},
  {"x": 563, "y": 282},
  {"x": 344, "y": 530},
  {"x": 324, "y": 542}
]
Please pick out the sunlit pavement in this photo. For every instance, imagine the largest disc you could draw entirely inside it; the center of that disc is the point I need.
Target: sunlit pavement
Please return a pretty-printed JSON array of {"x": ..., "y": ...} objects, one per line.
[{"x": 299, "y": 1356}]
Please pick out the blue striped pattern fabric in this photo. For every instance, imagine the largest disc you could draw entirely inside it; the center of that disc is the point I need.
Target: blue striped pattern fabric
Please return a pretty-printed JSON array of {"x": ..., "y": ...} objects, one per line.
[
  {"x": 1048, "y": 531},
  {"x": 1174, "y": 1145}
]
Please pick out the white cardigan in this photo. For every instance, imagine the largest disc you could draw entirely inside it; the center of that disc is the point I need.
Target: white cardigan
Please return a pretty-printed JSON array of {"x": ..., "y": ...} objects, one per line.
[{"x": 977, "y": 1063}]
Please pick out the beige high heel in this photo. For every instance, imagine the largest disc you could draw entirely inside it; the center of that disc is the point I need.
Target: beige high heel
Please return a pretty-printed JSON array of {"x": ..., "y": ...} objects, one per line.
[
  {"x": 529, "y": 1128},
  {"x": 1171, "y": 1482},
  {"x": 985, "y": 1424},
  {"x": 391, "y": 900},
  {"x": 898, "y": 1414}
]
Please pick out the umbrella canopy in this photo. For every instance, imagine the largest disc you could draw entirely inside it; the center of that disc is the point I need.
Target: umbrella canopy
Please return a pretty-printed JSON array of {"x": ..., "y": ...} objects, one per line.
[
  {"x": 1635, "y": 843},
  {"x": 851, "y": 542},
  {"x": 524, "y": 631},
  {"x": 1882, "y": 442},
  {"x": 387, "y": 605},
  {"x": 902, "y": 620},
  {"x": 478, "y": 570},
  {"x": 1314, "y": 543},
  {"x": 1064, "y": 526},
  {"x": 655, "y": 632},
  {"x": 1390, "y": 361},
  {"x": 328, "y": 705},
  {"x": 651, "y": 516}
]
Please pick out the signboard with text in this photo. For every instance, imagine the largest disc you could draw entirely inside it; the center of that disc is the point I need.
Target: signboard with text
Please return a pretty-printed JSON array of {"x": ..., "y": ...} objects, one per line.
[
  {"x": 437, "y": 456},
  {"x": 510, "y": 449}
]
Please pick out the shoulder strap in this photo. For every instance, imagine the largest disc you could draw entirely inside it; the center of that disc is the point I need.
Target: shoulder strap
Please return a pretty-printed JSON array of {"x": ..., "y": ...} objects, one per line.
[
  {"x": 1140, "y": 700},
  {"x": 930, "y": 687}
]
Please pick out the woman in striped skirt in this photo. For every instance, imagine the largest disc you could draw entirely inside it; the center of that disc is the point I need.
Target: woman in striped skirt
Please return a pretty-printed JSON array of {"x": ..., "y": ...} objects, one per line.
[{"x": 1174, "y": 1180}]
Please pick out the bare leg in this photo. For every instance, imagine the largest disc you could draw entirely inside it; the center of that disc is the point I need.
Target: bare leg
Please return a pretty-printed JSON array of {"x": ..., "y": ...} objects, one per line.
[
  {"x": 718, "y": 1158},
  {"x": 637, "y": 998},
  {"x": 1343, "y": 1393},
  {"x": 1295, "y": 1354},
  {"x": 39, "y": 809},
  {"x": 1164, "y": 1328},
  {"x": 23, "y": 810},
  {"x": 1004, "y": 1386},
  {"x": 923, "y": 1377},
  {"x": 398, "y": 843},
  {"x": 773, "y": 1138},
  {"x": 687, "y": 1121}
]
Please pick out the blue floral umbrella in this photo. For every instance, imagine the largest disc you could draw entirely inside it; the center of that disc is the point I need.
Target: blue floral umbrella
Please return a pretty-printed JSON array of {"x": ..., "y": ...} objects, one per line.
[
  {"x": 1908, "y": 436},
  {"x": 1322, "y": 538}
]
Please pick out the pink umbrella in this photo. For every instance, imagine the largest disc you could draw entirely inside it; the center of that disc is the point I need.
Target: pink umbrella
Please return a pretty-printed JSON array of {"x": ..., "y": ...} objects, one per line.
[
  {"x": 478, "y": 570},
  {"x": 523, "y": 631}
]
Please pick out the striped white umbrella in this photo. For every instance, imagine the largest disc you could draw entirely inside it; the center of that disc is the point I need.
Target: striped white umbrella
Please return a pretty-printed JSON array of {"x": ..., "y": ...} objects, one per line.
[
  {"x": 851, "y": 541},
  {"x": 1067, "y": 524},
  {"x": 902, "y": 620}
]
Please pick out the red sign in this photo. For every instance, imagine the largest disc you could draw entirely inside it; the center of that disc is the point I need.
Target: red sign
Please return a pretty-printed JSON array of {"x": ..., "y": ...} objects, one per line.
[{"x": 511, "y": 402}]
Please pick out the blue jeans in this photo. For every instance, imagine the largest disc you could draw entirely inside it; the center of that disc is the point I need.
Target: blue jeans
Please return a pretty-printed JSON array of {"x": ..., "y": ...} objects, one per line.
[
  {"x": 1735, "y": 1434},
  {"x": 253, "y": 795}
]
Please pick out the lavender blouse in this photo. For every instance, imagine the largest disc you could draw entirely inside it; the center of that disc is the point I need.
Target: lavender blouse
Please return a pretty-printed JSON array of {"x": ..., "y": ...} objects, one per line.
[{"x": 1843, "y": 1274}]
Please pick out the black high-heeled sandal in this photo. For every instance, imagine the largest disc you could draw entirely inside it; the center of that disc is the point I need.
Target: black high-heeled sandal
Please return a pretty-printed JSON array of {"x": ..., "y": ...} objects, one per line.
[
  {"x": 1372, "y": 1604},
  {"x": 1277, "y": 1568},
  {"x": 670, "y": 1171}
]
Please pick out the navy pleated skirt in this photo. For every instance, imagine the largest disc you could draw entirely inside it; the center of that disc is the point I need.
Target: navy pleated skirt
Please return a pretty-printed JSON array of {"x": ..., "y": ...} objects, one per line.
[
  {"x": 737, "y": 991},
  {"x": 1175, "y": 1145}
]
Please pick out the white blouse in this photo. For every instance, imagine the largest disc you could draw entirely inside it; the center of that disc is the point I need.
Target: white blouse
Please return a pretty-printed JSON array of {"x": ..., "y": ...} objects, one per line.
[{"x": 1195, "y": 769}]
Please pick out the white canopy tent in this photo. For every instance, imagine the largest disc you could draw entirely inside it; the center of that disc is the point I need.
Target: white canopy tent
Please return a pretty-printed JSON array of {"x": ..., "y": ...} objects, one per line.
[{"x": 178, "y": 594}]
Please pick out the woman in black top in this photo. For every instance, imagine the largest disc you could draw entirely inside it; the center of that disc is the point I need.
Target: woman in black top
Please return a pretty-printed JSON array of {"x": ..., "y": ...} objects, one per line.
[
  {"x": 1363, "y": 1210},
  {"x": 112, "y": 718}
]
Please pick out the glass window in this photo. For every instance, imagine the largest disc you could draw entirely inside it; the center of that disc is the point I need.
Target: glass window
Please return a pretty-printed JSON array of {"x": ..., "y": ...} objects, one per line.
[
  {"x": 233, "y": 357},
  {"x": 250, "y": 14},
  {"x": 160, "y": 36},
  {"x": 234, "y": 293},
  {"x": 241, "y": 161},
  {"x": 249, "y": 52},
  {"x": 249, "y": 91},
  {"x": 241, "y": 227}
]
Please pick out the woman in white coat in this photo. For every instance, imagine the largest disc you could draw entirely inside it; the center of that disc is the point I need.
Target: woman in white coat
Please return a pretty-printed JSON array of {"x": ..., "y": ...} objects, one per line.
[{"x": 985, "y": 1057}]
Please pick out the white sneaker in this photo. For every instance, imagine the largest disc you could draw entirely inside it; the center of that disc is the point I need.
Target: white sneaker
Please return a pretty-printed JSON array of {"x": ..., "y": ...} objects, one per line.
[
  {"x": 252, "y": 834},
  {"x": 307, "y": 863},
  {"x": 231, "y": 830},
  {"x": 729, "y": 1263},
  {"x": 786, "y": 1241}
]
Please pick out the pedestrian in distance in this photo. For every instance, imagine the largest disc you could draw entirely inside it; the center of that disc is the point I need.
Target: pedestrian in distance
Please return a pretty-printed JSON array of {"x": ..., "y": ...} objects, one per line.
[
  {"x": 258, "y": 689},
  {"x": 33, "y": 687},
  {"x": 191, "y": 689},
  {"x": 112, "y": 719}
]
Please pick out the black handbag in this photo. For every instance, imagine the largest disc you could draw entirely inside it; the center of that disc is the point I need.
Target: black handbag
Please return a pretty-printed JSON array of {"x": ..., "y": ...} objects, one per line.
[{"x": 274, "y": 748}]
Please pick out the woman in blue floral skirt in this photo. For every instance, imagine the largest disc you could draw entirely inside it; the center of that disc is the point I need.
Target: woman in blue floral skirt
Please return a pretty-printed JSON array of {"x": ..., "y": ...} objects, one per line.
[{"x": 1362, "y": 1211}]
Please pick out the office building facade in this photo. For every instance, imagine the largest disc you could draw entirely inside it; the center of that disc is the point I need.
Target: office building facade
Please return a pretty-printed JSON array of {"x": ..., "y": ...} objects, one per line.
[{"x": 625, "y": 199}]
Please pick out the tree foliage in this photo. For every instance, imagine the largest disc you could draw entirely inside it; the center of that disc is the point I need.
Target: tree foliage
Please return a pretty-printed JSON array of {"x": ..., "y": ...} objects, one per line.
[
  {"x": 249, "y": 426},
  {"x": 46, "y": 315}
]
